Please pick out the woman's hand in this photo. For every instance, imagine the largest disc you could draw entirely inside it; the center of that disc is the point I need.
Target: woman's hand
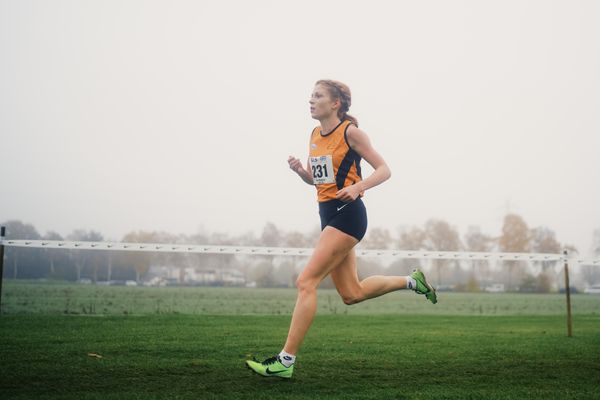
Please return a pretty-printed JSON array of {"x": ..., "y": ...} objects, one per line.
[
  {"x": 295, "y": 164},
  {"x": 349, "y": 193}
]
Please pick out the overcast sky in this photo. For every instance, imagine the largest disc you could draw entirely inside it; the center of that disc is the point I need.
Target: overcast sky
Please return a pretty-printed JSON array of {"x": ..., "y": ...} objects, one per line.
[{"x": 180, "y": 115}]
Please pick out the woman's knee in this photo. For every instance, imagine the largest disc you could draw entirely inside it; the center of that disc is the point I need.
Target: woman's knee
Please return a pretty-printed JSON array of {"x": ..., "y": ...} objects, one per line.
[
  {"x": 352, "y": 298},
  {"x": 304, "y": 284}
]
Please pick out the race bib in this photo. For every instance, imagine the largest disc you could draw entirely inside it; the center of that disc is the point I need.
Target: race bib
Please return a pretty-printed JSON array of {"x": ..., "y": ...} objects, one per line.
[{"x": 322, "y": 169}]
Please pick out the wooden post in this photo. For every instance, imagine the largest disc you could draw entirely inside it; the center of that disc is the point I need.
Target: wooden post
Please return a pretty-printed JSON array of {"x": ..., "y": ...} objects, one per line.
[
  {"x": 2, "y": 232},
  {"x": 568, "y": 292}
]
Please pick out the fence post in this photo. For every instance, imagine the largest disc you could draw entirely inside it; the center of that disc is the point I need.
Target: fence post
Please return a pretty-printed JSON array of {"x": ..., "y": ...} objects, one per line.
[
  {"x": 568, "y": 293},
  {"x": 2, "y": 232}
]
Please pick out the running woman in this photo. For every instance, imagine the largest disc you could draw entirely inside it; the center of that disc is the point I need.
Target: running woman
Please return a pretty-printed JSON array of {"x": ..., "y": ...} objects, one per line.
[{"x": 337, "y": 146}]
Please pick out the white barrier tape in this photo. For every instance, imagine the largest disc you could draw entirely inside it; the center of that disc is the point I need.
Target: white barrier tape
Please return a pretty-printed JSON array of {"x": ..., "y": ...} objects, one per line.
[{"x": 287, "y": 251}]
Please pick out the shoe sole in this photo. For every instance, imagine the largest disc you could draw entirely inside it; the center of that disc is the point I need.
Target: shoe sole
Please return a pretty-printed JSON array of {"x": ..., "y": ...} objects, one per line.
[{"x": 267, "y": 376}]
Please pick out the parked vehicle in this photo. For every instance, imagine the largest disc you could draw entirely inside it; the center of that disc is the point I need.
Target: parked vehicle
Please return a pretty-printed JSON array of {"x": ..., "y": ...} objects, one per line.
[
  {"x": 495, "y": 288},
  {"x": 592, "y": 289}
]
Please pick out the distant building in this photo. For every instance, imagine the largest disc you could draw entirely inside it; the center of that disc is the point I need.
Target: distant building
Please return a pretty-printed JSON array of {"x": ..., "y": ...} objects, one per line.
[{"x": 197, "y": 276}]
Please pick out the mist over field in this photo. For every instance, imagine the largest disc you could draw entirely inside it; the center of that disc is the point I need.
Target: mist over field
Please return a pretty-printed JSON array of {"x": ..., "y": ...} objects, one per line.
[{"x": 179, "y": 116}]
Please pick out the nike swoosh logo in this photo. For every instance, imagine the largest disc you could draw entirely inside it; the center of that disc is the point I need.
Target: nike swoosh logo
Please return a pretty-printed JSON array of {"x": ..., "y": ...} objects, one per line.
[
  {"x": 273, "y": 372},
  {"x": 339, "y": 208}
]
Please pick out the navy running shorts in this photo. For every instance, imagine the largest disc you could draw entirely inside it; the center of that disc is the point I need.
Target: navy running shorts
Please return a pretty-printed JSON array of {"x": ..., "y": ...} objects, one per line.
[{"x": 350, "y": 218}]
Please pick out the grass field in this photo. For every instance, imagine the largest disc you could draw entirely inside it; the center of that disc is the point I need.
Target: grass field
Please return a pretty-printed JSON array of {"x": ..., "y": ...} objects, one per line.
[
  {"x": 185, "y": 350},
  {"x": 61, "y": 298}
]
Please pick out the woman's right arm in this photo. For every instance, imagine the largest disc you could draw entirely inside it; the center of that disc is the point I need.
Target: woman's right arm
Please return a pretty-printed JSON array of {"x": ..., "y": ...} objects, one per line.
[{"x": 297, "y": 167}]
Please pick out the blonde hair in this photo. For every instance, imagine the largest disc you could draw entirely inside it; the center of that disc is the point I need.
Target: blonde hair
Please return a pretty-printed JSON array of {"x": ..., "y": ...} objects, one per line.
[{"x": 340, "y": 91}]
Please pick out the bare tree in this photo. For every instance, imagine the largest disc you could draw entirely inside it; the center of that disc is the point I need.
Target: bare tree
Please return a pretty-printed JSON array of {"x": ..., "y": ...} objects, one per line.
[
  {"x": 412, "y": 238},
  {"x": 515, "y": 239},
  {"x": 543, "y": 240},
  {"x": 51, "y": 253},
  {"x": 377, "y": 238},
  {"x": 271, "y": 235},
  {"x": 591, "y": 273},
  {"x": 138, "y": 260},
  {"x": 18, "y": 230},
  {"x": 443, "y": 237},
  {"x": 82, "y": 258},
  {"x": 477, "y": 241}
]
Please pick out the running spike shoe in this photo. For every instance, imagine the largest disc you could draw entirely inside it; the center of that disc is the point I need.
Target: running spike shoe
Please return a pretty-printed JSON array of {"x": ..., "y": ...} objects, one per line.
[
  {"x": 271, "y": 367},
  {"x": 423, "y": 287}
]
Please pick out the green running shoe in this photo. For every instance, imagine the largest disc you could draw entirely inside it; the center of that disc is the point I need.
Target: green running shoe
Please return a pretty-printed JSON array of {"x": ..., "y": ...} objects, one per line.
[
  {"x": 271, "y": 367},
  {"x": 423, "y": 287}
]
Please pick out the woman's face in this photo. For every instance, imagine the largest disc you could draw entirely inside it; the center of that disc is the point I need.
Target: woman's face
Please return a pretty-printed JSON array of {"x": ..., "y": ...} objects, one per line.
[{"x": 321, "y": 103}]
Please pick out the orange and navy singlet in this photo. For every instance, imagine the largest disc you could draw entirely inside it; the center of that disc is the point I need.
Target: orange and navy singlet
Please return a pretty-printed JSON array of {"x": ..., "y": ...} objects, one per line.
[{"x": 335, "y": 165}]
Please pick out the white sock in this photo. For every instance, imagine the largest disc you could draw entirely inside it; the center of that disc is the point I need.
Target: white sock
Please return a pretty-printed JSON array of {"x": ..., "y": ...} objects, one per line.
[
  {"x": 287, "y": 359},
  {"x": 410, "y": 283}
]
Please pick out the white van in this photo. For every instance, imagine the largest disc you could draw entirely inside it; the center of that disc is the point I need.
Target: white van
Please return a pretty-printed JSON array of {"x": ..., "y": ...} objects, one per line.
[
  {"x": 495, "y": 288},
  {"x": 592, "y": 289}
]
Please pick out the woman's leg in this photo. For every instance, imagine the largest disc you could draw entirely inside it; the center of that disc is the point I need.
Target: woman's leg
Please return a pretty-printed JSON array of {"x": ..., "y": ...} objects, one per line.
[
  {"x": 352, "y": 291},
  {"x": 331, "y": 249}
]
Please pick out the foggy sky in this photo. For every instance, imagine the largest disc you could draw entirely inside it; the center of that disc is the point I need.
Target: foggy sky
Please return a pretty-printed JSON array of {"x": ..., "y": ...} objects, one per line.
[{"x": 180, "y": 115}]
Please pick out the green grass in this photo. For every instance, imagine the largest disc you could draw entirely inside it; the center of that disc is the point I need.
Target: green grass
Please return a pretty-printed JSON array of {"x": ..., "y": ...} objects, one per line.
[
  {"x": 61, "y": 298},
  {"x": 190, "y": 343},
  {"x": 344, "y": 357}
]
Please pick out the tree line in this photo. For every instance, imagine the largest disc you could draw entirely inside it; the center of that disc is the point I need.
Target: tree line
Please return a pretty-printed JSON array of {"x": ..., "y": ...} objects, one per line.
[{"x": 269, "y": 271}]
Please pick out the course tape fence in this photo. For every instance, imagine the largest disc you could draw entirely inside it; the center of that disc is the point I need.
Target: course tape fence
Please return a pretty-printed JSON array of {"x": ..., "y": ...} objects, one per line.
[{"x": 289, "y": 251}]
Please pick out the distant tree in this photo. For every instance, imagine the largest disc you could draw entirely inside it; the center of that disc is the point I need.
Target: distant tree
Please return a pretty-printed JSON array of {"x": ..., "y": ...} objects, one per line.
[
  {"x": 377, "y": 238},
  {"x": 17, "y": 230},
  {"x": 263, "y": 274},
  {"x": 591, "y": 273},
  {"x": 271, "y": 235},
  {"x": 470, "y": 285},
  {"x": 540, "y": 284},
  {"x": 402, "y": 266},
  {"x": 368, "y": 267},
  {"x": 528, "y": 283},
  {"x": 477, "y": 241},
  {"x": 52, "y": 235},
  {"x": 295, "y": 239},
  {"x": 138, "y": 260},
  {"x": 179, "y": 260},
  {"x": 86, "y": 258},
  {"x": 544, "y": 282},
  {"x": 441, "y": 237},
  {"x": 22, "y": 258},
  {"x": 412, "y": 238},
  {"x": 52, "y": 254},
  {"x": 217, "y": 262},
  {"x": 515, "y": 238},
  {"x": 247, "y": 239},
  {"x": 543, "y": 240},
  {"x": 284, "y": 274},
  {"x": 596, "y": 243}
]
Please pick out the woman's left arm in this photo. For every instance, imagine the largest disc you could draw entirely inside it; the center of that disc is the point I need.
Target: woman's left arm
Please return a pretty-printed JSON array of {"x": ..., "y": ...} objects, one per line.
[{"x": 359, "y": 142}]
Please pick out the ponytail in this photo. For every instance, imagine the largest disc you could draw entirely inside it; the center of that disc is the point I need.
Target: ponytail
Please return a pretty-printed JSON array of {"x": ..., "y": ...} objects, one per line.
[{"x": 350, "y": 118}]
